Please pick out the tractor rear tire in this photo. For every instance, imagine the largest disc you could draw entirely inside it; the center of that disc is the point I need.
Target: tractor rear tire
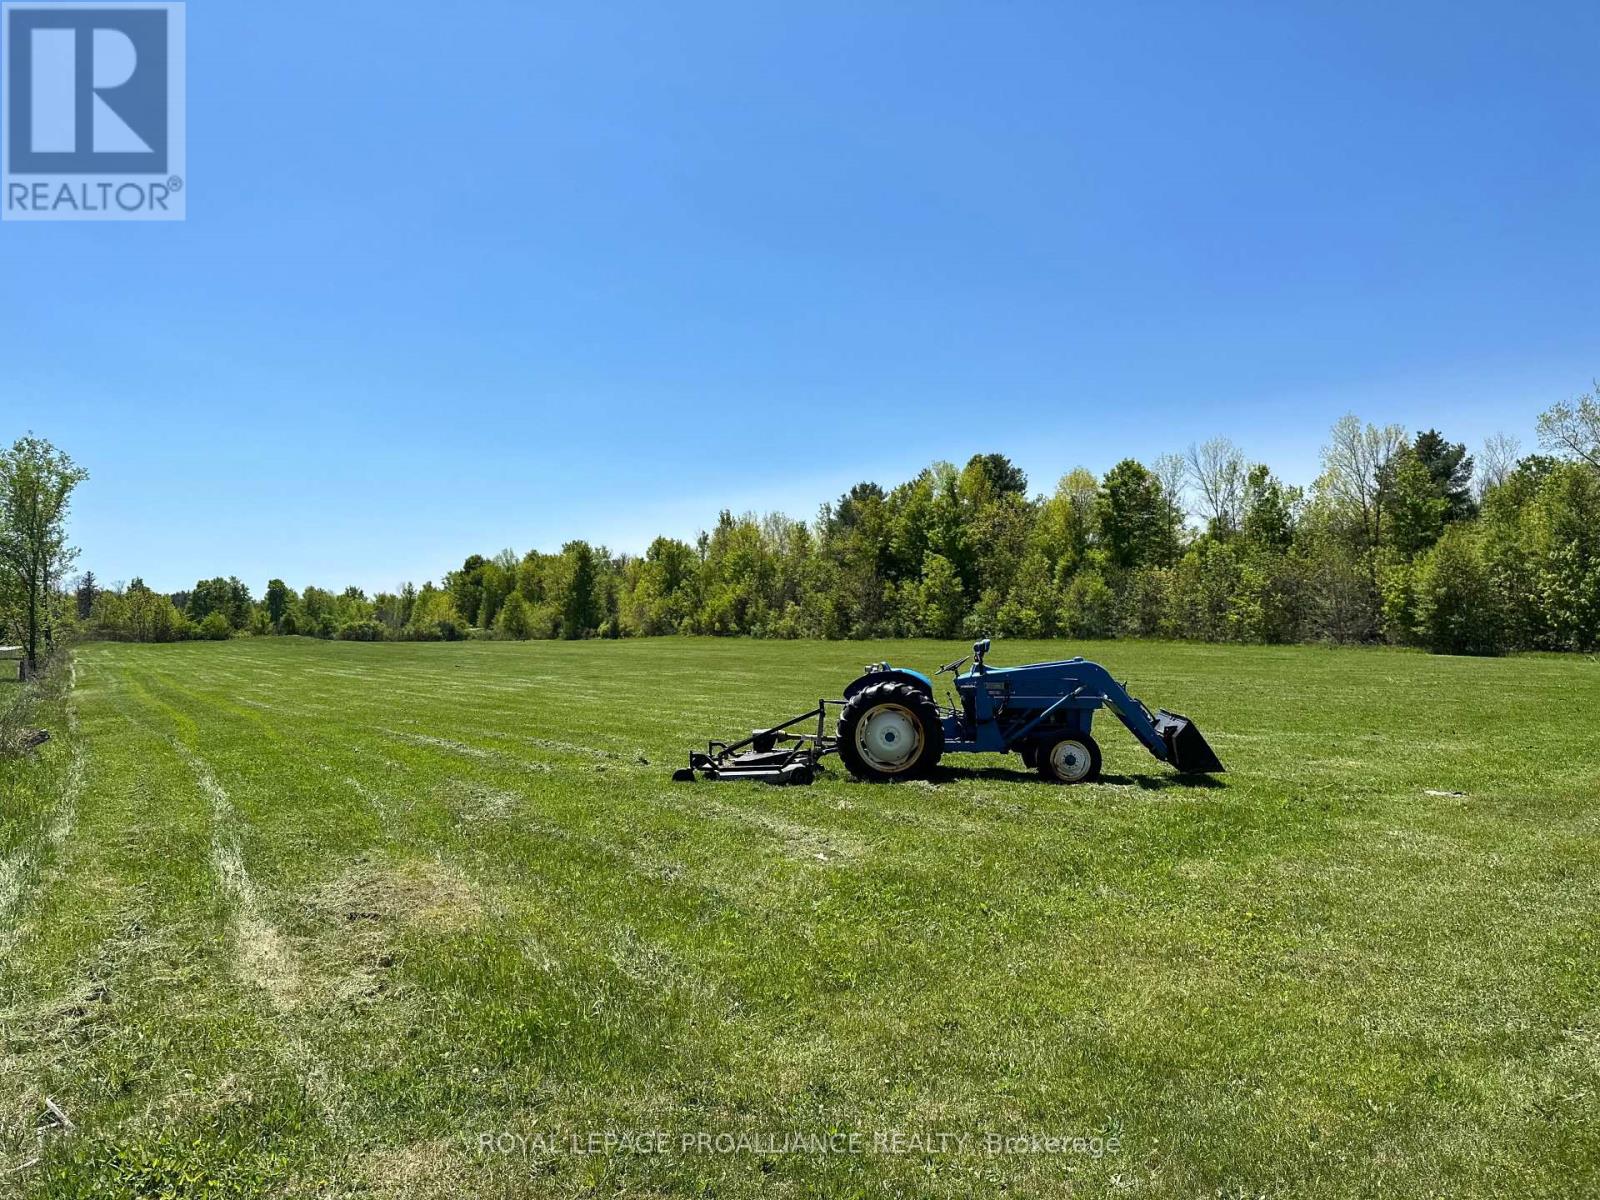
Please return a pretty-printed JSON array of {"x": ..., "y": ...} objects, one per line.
[
  {"x": 1071, "y": 758},
  {"x": 890, "y": 731}
]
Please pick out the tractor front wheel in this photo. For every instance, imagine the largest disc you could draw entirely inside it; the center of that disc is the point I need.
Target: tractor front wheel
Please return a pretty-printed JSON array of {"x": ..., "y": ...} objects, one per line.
[
  {"x": 890, "y": 731},
  {"x": 1071, "y": 759}
]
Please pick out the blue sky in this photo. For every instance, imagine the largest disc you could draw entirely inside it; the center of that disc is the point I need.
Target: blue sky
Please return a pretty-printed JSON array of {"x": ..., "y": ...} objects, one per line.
[{"x": 462, "y": 276}]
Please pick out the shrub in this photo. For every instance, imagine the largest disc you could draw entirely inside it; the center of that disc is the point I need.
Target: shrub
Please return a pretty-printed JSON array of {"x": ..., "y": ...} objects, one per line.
[
  {"x": 1146, "y": 595},
  {"x": 431, "y": 631},
  {"x": 543, "y": 621},
  {"x": 1457, "y": 607},
  {"x": 1399, "y": 588},
  {"x": 1089, "y": 609},
  {"x": 361, "y": 631},
  {"x": 513, "y": 620},
  {"x": 215, "y": 628}
]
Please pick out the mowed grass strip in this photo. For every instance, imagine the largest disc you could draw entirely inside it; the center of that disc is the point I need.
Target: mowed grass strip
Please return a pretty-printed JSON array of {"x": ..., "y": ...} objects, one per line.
[{"x": 293, "y": 917}]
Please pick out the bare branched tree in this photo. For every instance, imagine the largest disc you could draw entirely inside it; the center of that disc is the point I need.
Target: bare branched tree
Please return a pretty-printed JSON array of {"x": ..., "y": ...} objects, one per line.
[
  {"x": 1218, "y": 470},
  {"x": 1574, "y": 429},
  {"x": 1356, "y": 464},
  {"x": 1173, "y": 473},
  {"x": 1496, "y": 461}
]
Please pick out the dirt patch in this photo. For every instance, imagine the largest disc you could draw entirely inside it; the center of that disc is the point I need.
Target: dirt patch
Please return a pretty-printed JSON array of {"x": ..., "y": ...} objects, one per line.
[
  {"x": 376, "y": 890},
  {"x": 441, "y": 1168},
  {"x": 365, "y": 908},
  {"x": 472, "y": 802}
]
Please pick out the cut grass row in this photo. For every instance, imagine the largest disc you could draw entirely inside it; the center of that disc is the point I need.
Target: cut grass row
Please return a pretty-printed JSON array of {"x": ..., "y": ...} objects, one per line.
[{"x": 296, "y": 917}]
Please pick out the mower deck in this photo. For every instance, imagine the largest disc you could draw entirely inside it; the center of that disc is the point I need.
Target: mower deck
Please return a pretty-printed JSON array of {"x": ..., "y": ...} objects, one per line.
[{"x": 773, "y": 755}]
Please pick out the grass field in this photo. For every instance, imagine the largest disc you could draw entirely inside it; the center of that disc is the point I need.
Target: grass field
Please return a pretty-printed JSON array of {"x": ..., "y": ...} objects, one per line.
[{"x": 284, "y": 917}]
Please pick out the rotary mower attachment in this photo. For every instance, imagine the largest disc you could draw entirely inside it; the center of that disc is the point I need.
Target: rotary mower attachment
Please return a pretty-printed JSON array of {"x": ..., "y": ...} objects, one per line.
[{"x": 773, "y": 755}]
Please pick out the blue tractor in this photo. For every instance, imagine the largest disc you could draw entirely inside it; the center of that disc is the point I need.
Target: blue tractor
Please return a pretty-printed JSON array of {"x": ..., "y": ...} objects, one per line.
[{"x": 890, "y": 726}]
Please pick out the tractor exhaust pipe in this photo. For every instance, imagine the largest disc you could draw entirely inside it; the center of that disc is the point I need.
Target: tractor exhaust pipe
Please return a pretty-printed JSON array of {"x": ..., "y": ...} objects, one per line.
[{"x": 1187, "y": 749}]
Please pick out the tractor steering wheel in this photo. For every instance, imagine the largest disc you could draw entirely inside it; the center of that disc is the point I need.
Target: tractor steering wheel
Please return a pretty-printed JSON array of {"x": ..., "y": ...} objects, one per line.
[{"x": 955, "y": 666}]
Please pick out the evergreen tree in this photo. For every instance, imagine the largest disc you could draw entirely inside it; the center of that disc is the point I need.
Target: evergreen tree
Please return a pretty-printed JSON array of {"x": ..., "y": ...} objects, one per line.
[
  {"x": 85, "y": 595},
  {"x": 1449, "y": 466}
]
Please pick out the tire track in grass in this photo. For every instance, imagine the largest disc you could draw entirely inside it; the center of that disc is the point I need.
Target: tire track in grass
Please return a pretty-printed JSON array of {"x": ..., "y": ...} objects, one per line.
[
  {"x": 14, "y": 869},
  {"x": 305, "y": 993},
  {"x": 264, "y": 957},
  {"x": 104, "y": 967},
  {"x": 644, "y": 962}
]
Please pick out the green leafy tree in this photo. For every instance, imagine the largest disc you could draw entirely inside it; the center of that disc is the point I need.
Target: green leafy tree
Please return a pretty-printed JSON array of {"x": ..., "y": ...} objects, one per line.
[
  {"x": 925, "y": 515},
  {"x": 36, "y": 486},
  {"x": 1033, "y": 606},
  {"x": 579, "y": 599},
  {"x": 318, "y": 616},
  {"x": 353, "y": 607},
  {"x": 215, "y": 627},
  {"x": 1269, "y": 509},
  {"x": 856, "y": 545},
  {"x": 1132, "y": 516},
  {"x": 498, "y": 581},
  {"x": 1573, "y": 429},
  {"x": 514, "y": 620},
  {"x": 230, "y": 597},
  {"x": 1541, "y": 533},
  {"x": 1205, "y": 588},
  {"x": 1417, "y": 510},
  {"x": 1271, "y": 600},
  {"x": 663, "y": 595},
  {"x": 392, "y": 610},
  {"x": 466, "y": 587},
  {"x": 987, "y": 477},
  {"x": 1064, "y": 528},
  {"x": 1089, "y": 608},
  {"x": 277, "y": 600},
  {"x": 1456, "y": 608},
  {"x": 434, "y": 617},
  {"x": 939, "y": 602}
]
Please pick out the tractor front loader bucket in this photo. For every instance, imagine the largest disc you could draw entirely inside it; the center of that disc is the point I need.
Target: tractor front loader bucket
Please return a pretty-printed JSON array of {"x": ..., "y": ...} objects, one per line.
[
  {"x": 772, "y": 755},
  {"x": 1187, "y": 749}
]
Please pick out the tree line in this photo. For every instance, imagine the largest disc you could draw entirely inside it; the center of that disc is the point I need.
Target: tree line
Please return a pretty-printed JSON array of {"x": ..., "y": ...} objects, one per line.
[{"x": 1404, "y": 538}]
